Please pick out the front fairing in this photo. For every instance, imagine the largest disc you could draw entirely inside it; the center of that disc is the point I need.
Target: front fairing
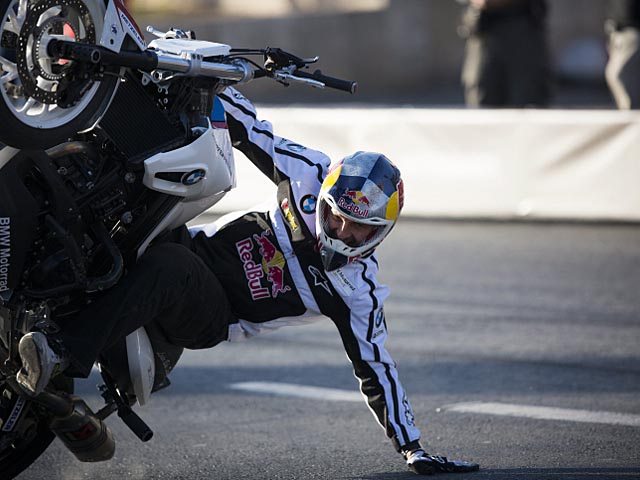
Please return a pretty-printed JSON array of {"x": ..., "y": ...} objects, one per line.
[{"x": 196, "y": 171}]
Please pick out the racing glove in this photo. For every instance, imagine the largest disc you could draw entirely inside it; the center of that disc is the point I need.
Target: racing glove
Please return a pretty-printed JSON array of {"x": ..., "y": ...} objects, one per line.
[{"x": 422, "y": 463}]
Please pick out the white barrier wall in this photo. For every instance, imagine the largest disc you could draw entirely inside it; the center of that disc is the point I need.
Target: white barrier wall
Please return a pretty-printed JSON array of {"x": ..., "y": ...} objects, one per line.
[{"x": 555, "y": 164}]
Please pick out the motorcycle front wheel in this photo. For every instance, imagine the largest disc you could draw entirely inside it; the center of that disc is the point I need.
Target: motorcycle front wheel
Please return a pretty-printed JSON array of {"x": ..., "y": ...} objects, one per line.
[{"x": 44, "y": 101}]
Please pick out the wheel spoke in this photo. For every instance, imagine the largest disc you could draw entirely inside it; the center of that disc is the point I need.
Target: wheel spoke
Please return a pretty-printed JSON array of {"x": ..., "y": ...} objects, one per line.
[
  {"x": 48, "y": 85},
  {"x": 14, "y": 22},
  {"x": 10, "y": 70},
  {"x": 37, "y": 109},
  {"x": 51, "y": 107},
  {"x": 27, "y": 106},
  {"x": 9, "y": 77},
  {"x": 7, "y": 65},
  {"x": 50, "y": 13},
  {"x": 22, "y": 9}
]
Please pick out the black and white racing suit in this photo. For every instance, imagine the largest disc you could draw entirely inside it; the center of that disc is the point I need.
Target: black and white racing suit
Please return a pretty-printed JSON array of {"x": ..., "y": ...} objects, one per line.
[{"x": 268, "y": 263}]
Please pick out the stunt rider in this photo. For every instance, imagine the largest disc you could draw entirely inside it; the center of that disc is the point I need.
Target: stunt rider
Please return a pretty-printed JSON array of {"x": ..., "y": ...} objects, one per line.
[{"x": 309, "y": 252}]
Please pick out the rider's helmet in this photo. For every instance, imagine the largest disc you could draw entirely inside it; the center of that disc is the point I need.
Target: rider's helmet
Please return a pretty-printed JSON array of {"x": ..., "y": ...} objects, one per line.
[{"x": 364, "y": 188}]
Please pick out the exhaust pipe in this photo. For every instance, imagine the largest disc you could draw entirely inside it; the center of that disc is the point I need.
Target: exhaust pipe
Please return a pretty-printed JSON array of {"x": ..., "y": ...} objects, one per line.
[{"x": 84, "y": 434}]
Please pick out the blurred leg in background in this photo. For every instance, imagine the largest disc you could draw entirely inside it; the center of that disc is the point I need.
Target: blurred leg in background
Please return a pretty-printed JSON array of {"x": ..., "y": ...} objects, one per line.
[{"x": 623, "y": 68}]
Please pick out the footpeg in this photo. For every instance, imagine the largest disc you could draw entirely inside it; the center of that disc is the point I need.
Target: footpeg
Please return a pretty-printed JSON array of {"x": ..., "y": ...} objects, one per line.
[{"x": 135, "y": 423}]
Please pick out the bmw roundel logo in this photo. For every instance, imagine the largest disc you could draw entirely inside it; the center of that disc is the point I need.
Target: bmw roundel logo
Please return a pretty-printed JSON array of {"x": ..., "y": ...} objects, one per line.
[
  {"x": 193, "y": 177},
  {"x": 308, "y": 203}
]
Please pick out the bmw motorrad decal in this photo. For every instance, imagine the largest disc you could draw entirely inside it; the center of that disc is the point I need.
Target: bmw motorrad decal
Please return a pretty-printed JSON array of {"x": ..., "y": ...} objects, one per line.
[
  {"x": 15, "y": 415},
  {"x": 379, "y": 317},
  {"x": 272, "y": 266},
  {"x": 193, "y": 177},
  {"x": 376, "y": 334},
  {"x": 308, "y": 204},
  {"x": 342, "y": 282},
  {"x": 319, "y": 280},
  {"x": 5, "y": 252}
]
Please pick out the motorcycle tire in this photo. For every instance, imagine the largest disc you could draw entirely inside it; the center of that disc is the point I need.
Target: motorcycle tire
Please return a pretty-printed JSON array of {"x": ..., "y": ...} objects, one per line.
[
  {"x": 43, "y": 102},
  {"x": 14, "y": 460}
]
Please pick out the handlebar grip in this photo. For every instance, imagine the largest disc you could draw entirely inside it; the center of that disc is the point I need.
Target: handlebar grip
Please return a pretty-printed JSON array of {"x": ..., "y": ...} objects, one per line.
[{"x": 331, "y": 82}]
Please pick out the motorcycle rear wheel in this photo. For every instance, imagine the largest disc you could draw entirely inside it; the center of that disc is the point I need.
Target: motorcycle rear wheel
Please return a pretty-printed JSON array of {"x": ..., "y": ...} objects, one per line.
[
  {"x": 14, "y": 459},
  {"x": 43, "y": 102}
]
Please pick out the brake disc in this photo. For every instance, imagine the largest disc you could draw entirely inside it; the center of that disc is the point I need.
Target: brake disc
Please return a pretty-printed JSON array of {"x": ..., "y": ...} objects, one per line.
[{"x": 44, "y": 79}]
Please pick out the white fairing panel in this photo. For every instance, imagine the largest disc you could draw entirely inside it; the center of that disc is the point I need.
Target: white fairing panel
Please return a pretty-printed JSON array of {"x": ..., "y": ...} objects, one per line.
[
  {"x": 205, "y": 167},
  {"x": 142, "y": 367}
]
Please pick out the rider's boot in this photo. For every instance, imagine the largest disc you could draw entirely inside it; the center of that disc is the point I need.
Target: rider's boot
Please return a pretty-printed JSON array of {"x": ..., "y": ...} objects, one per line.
[
  {"x": 39, "y": 363},
  {"x": 423, "y": 463}
]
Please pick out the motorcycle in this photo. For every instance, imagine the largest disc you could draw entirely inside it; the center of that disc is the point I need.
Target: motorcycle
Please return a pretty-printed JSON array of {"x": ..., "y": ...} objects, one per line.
[{"x": 106, "y": 143}]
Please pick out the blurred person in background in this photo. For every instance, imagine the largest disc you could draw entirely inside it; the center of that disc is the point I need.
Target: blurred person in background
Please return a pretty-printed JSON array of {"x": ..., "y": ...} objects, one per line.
[
  {"x": 506, "y": 61},
  {"x": 622, "y": 26}
]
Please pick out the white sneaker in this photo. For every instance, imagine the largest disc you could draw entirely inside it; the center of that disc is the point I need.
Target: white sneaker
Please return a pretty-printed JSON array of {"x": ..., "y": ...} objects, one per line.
[{"x": 39, "y": 363}]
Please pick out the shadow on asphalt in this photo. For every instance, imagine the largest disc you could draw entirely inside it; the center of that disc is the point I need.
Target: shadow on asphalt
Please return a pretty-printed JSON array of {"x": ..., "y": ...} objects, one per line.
[{"x": 521, "y": 473}]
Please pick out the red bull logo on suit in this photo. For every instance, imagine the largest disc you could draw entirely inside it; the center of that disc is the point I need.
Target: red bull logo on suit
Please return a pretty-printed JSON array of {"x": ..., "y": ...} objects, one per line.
[{"x": 272, "y": 266}]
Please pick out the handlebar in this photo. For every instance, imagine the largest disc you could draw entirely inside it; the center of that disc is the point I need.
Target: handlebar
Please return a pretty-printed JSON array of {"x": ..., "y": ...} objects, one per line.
[
  {"x": 331, "y": 82},
  {"x": 164, "y": 65}
]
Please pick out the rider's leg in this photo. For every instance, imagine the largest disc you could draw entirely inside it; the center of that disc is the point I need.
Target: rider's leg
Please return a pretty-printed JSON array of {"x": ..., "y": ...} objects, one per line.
[{"x": 170, "y": 286}]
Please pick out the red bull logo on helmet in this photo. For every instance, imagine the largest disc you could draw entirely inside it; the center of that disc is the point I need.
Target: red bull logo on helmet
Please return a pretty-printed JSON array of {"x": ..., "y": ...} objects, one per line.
[
  {"x": 357, "y": 197},
  {"x": 271, "y": 266},
  {"x": 355, "y": 202}
]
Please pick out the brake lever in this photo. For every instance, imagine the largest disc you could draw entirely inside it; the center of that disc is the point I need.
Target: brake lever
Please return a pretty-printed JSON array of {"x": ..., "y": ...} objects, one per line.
[{"x": 278, "y": 58}]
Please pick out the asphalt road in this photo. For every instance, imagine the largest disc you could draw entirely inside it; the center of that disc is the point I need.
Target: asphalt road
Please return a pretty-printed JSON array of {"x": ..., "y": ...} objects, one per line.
[{"x": 503, "y": 318}]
